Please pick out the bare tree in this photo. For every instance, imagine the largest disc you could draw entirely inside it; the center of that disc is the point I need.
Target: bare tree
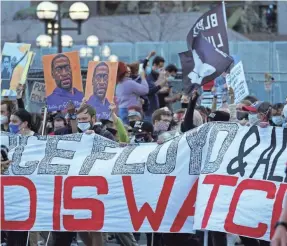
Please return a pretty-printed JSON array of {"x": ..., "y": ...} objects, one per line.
[{"x": 159, "y": 25}]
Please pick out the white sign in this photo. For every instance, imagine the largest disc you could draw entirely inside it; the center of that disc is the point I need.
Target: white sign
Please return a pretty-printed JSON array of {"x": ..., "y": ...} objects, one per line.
[
  {"x": 236, "y": 80},
  {"x": 38, "y": 94}
]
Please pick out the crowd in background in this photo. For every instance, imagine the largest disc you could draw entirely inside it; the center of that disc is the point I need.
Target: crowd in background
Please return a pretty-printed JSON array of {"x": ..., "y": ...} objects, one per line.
[{"x": 142, "y": 112}]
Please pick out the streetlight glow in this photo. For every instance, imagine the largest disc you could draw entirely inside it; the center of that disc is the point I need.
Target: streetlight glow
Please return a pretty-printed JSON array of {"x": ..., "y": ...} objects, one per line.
[
  {"x": 44, "y": 41},
  {"x": 106, "y": 51},
  {"x": 86, "y": 52},
  {"x": 113, "y": 58},
  {"x": 97, "y": 58},
  {"x": 47, "y": 11},
  {"x": 67, "y": 41},
  {"x": 92, "y": 41},
  {"x": 79, "y": 11}
]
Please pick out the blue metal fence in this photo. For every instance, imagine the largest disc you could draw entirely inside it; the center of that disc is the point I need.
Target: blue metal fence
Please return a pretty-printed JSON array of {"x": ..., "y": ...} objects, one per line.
[{"x": 257, "y": 57}]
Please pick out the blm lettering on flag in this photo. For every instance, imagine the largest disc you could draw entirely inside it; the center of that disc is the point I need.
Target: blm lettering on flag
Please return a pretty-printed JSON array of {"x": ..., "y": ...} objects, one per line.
[
  {"x": 203, "y": 63},
  {"x": 212, "y": 25}
]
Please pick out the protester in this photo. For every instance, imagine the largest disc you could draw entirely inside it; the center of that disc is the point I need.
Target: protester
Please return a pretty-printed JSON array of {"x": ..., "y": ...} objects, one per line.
[
  {"x": 165, "y": 95},
  {"x": 161, "y": 120},
  {"x": 157, "y": 79},
  {"x": 7, "y": 107},
  {"x": 85, "y": 120},
  {"x": 134, "y": 114},
  {"x": 128, "y": 91},
  {"x": 259, "y": 113},
  {"x": 143, "y": 131},
  {"x": 192, "y": 117},
  {"x": 21, "y": 123},
  {"x": 121, "y": 133},
  {"x": 277, "y": 118}
]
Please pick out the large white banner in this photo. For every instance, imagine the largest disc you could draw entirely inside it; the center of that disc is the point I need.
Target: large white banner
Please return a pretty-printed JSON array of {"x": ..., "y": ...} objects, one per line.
[
  {"x": 243, "y": 182},
  {"x": 86, "y": 182},
  {"x": 81, "y": 182}
]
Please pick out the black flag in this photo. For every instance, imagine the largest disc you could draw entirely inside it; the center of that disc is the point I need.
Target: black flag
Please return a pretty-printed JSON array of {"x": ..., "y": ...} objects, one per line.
[
  {"x": 207, "y": 57},
  {"x": 203, "y": 62},
  {"x": 212, "y": 25}
]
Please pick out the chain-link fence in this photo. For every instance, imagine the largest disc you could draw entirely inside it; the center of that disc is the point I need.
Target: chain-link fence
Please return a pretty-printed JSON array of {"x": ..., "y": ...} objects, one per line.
[{"x": 256, "y": 56}]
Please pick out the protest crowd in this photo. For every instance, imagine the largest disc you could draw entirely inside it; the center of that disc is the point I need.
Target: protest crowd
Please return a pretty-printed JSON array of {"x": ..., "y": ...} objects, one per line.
[{"x": 141, "y": 112}]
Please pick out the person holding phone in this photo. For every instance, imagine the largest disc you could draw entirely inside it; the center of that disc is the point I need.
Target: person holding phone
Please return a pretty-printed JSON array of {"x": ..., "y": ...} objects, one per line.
[{"x": 165, "y": 95}]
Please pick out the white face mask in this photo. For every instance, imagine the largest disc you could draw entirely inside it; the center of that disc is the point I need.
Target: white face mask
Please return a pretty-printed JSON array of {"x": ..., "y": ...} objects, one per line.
[
  {"x": 277, "y": 120},
  {"x": 4, "y": 119},
  {"x": 84, "y": 126},
  {"x": 253, "y": 119}
]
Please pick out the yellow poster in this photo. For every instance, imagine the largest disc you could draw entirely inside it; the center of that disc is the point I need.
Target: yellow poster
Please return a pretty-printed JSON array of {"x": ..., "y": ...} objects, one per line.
[{"x": 15, "y": 59}]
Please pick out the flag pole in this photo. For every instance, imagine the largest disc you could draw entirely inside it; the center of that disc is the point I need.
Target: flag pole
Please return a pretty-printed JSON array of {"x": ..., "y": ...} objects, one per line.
[
  {"x": 44, "y": 121},
  {"x": 224, "y": 13},
  {"x": 205, "y": 241}
]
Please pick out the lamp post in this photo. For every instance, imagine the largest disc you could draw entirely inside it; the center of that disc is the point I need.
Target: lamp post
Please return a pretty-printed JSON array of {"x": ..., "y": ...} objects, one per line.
[
  {"x": 44, "y": 41},
  {"x": 51, "y": 14},
  {"x": 89, "y": 50},
  {"x": 113, "y": 58}
]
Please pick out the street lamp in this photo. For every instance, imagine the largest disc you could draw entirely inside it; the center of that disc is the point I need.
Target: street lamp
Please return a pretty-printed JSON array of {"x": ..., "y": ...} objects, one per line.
[
  {"x": 79, "y": 11},
  {"x": 67, "y": 41},
  {"x": 92, "y": 41},
  {"x": 44, "y": 41},
  {"x": 106, "y": 51},
  {"x": 97, "y": 58},
  {"x": 86, "y": 52},
  {"x": 51, "y": 14},
  {"x": 47, "y": 11},
  {"x": 113, "y": 58}
]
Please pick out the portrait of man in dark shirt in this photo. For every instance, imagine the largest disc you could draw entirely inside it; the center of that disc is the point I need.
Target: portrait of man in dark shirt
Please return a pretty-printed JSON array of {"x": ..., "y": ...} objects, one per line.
[
  {"x": 5, "y": 72},
  {"x": 64, "y": 92},
  {"x": 6, "y": 67},
  {"x": 100, "y": 82}
]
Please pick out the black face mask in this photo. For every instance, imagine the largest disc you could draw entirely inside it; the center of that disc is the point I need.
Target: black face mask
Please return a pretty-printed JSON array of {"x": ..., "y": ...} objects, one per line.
[
  {"x": 132, "y": 123},
  {"x": 241, "y": 115},
  {"x": 184, "y": 105},
  {"x": 142, "y": 138}
]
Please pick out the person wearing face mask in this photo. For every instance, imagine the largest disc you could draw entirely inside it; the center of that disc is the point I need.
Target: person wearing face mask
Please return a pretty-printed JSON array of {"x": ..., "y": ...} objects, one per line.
[
  {"x": 157, "y": 79},
  {"x": 143, "y": 132},
  {"x": 165, "y": 94},
  {"x": 259, "y": 113},
  {"x": 128, "y": 91},
  {"x": 134, "y": 114},
  {"x": 59, "y": 124},
  {"x": 21, "y": 123},
  {"x": 85, "y": 121},
  {"x": 161, "y": 120},
  {"x": 6, "y": 110},
  {"x": 277, "y": 118}
]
